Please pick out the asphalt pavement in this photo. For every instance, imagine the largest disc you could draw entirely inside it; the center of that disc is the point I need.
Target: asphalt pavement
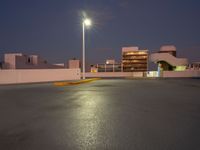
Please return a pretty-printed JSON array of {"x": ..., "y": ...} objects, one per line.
[{"x": 111, "y": 114}]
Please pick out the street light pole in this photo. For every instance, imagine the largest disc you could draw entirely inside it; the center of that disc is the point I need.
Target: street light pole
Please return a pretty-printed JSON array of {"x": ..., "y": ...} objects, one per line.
[
  {"x": 83, "y": 63},
  {"x": 86, "y": 22}
]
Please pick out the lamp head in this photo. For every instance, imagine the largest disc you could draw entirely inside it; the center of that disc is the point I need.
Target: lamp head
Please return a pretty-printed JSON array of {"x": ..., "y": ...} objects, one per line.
[{"x": 87, "y": 22}]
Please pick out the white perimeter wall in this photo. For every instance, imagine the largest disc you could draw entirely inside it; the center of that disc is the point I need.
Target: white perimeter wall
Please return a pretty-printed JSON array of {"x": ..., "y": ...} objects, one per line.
[
  {"x": 167, "y": 74},
  {"x": 114, "y": 74},
  {"x": 37, "y": 75},
  {"x": 189, "y": 73}
]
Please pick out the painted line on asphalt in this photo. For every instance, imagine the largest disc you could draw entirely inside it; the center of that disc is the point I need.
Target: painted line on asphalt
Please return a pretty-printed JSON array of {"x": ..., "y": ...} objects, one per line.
[{"x": 67, "y": 83}]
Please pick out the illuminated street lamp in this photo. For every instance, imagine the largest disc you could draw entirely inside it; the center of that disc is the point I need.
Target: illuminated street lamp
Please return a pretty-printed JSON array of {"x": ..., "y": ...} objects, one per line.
[{"x": 86, "y": 23}]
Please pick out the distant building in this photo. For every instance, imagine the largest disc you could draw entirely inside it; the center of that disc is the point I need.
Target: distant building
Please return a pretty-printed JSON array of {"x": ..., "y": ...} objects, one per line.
[
  {"x": 74, "y": 63},
  {"x": 167, "y": 60},
  {"x": 109, "y": 66},
  {"x": 110, "y": 61},
  {"x": 194, "y": 66},
  {"x": 21, "y": 61},
  {"x": 134, "y": 60}
]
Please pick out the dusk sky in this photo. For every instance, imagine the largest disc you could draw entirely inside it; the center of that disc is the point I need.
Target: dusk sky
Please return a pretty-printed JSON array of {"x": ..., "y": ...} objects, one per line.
[{"x": 52, "y": 28}]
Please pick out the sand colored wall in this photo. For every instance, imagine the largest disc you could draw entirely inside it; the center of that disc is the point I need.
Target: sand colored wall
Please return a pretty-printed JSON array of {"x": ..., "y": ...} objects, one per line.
[
  {"x": 174, "y": 74},
  {"x": 167, "y": 74},
  {"x": 37, "y": 75},
  {"x": 115, "y": 74}
]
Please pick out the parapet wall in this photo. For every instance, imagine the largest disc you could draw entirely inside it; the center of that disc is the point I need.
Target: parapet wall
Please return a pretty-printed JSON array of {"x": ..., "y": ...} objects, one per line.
[
  {"x": 114, "y": 74},
  {"x": 38, "y": 75},
  {"x": 181, "y": 74}
]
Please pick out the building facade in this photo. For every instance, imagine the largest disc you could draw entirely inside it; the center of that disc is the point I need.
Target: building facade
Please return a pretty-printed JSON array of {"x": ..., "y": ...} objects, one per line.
[{"x": 134, "y": 60}]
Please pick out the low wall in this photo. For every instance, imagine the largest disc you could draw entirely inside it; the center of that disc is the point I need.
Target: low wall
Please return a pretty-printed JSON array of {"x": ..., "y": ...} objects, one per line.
[
  {"x": 167, "y": 74},
  {"x": 186, "y": 74},
  {"x": 113, "y": 74},
  {"x": 37, "y": 75}
]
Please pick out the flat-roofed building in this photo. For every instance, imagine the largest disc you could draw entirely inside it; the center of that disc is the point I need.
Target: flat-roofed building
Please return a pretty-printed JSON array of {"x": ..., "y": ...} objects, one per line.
[{"x": 134, "y": 60}]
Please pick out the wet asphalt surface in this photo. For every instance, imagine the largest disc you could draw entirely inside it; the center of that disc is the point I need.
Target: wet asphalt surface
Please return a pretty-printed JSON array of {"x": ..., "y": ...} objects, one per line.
[{"x": 105, "y": 114}]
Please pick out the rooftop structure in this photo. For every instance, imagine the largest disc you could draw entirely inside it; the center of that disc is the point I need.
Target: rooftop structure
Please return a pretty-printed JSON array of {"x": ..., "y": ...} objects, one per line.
[
  {"x": 167, "y": 60},
  {"x": 21, "y": 61},
  {"x": 74, "y": 63},
  {"x": 171, "y": 49}
]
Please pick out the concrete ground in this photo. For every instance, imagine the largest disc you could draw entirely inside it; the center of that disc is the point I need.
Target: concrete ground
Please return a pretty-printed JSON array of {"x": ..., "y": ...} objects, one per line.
[{"x": 105, "y": 114}]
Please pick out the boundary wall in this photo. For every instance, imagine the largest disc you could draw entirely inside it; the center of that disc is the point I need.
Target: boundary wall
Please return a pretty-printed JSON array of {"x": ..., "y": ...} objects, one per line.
[
  {"x": 38, "y": 75},
  {"x": 181, "y": 74},
  {"x": 114, "y": 74}
]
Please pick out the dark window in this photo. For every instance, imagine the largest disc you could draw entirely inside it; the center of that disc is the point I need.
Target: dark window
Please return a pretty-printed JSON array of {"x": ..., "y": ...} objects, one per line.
[{"x": 29, "y": 60}]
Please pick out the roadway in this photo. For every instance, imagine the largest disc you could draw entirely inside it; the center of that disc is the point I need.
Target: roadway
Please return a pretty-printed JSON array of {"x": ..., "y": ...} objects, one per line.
[{"x": 105, "y": 114}]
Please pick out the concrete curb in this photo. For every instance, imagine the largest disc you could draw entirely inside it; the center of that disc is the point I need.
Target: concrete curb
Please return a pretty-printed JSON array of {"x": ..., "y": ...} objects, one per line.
[{"x": 66, "y": 83}]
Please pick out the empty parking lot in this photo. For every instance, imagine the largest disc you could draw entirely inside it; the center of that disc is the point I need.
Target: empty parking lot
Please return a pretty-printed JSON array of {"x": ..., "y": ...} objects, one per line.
[{"x": 105, "y": 114}]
